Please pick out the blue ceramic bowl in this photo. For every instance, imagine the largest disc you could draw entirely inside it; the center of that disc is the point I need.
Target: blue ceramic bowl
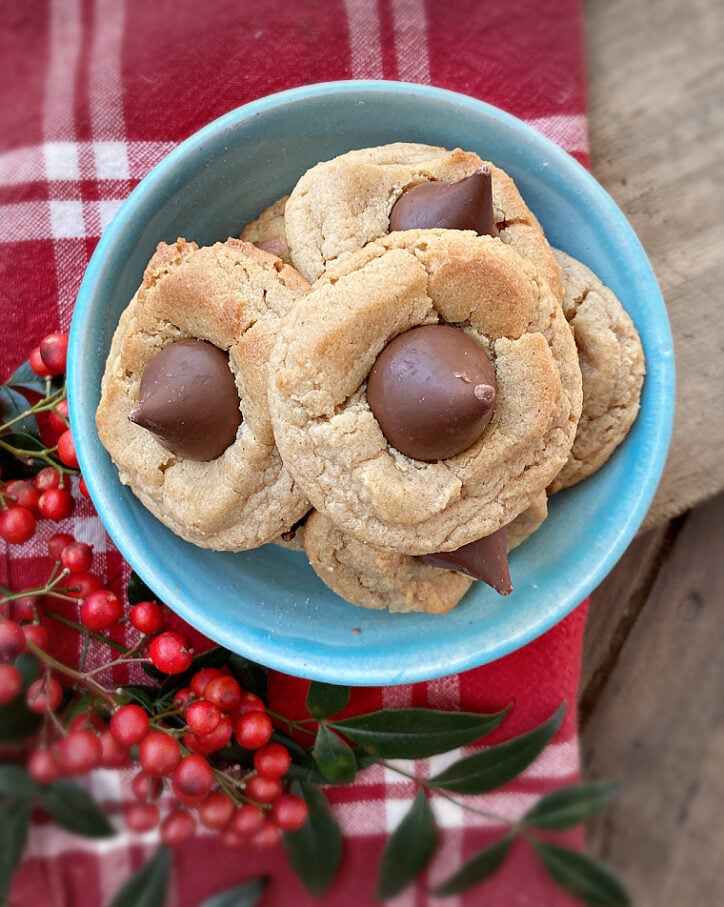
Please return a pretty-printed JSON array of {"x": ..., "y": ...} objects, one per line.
[{"x": 268, "y": 604}]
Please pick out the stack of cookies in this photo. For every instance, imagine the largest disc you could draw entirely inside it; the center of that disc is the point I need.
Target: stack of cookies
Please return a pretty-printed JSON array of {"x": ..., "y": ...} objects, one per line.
[{"x": 391, "y": 368}]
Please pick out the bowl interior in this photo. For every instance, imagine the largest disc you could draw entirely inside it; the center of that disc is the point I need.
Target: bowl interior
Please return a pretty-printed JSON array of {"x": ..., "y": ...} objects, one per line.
[{"x": 268, "y": 604}]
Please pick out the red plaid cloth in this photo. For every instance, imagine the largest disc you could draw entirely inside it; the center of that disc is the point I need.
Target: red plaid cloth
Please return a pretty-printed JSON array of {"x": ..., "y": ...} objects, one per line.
[{"x": 93, "y": 93}]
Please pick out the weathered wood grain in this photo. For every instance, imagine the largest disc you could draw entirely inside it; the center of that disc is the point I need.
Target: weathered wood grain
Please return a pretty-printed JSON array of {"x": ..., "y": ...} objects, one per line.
[
  {"x": 616, "y": 606},
  {"x": 657, "y": 722},
  {"x": 656, "y": 120}
]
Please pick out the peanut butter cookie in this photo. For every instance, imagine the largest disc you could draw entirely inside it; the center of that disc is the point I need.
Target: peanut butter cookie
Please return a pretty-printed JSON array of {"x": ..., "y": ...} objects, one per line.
[
  {"x": 183, "y": 410},
  {"x": 331, "y": 440},
  {"x": 342, "y": 204},
  {"x": 612, "y": 368}
]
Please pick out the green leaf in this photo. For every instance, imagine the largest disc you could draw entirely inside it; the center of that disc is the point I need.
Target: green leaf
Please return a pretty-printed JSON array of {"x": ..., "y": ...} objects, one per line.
[
  {"x": 23, "y": 440},
  {"x": 314, "y": 852},
  {"x": 334, "y": 758},
  {"x": 17, "y": 722},
  {"x": 15, "y": 781},
  {"x": 477, "y": 869},
  {"x": 569, "y": 806},
  {"x": 14, "y": 825},
  {"x": 74, "y": 809},
  {"x": 245, "y": 895},
  {"x": 416, "y": 733},
  {"x": 251, "y": 676},
  {"x": 408, "y": 850},
  {"x": 146, "y": 697},
  {"x": 493, "y": 767},
  {"x": 148, "y": 886},
  {"x": 14, "y": 404},
  {"x": 137, "y": 591},
  {"x": 25, "y": 377},
  {"x": 325, "y": 699},
  {"x": 581, "y": 875}
]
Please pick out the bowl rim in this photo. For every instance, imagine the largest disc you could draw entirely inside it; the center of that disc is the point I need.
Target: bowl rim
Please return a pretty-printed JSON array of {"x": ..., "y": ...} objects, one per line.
[{"x": 256, "y": 645}]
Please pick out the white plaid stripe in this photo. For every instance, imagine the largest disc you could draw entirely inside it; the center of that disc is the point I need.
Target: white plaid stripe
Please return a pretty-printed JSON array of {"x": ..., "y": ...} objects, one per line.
[
  {"x": 411, "y": 54},
  {"x": 106, "y": 79},
  {"x": 66, "y": 33},
  {"x": 364, "y": 39},
  {"x": 569, "y": 130}
]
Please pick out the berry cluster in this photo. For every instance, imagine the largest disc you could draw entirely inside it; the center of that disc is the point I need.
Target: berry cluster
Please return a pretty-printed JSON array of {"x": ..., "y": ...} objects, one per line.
[
  {"x": 48, "y": 495},
  {"x": 175, "y": 750},
  {"x": 206, "y": 752}
]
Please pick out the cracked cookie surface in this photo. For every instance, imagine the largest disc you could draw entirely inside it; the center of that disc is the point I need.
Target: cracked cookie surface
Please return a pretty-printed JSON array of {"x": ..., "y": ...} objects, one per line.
[
  {"x": 331, "y": 441},
  {"x": 341, "y": 204},
  {"x": 232, "y": 295},
  {"x": 612, "y": 368},
  {"x": 381, "y": 578}
]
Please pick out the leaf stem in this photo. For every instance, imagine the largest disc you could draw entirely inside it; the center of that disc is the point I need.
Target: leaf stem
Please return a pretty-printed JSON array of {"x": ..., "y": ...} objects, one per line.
[{"x": 440, "y": 792}]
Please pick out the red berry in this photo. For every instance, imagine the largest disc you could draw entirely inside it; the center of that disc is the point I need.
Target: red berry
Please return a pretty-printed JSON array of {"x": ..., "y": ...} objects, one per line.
[
  {"x": 44, "y": 695},
  {"x": 263, "y": 790},
  {"x": 56, "y": 504},
  {"x": 101, "y": 610},
  {"x": 192, "y": 779},
  {"x": 159, "y": 754},
  {"x": 249, "y": 702},
  {"x": 37, "y": 364},
  {"x": 253, "y": 730},
  {"x": 83, "y": 488},
  {"x": 216, "y": 811},
  {"x": 24, "y": 494},
  {"x": 247, "y": 820},
  {"x": 114, "y": 755},
  {"x": 77, "y": 557},
  {"x": 145, "y": 787},
  {"x": 87, "y": 721},
  {"x": 129, "y": 725},
  {"x": 229, "y": 838},
  {"x": 147, "y": 617},
  {"x": 36, "y": 634},
  {"x": 178, "y": 828},
  {"x": 11, "y": 682},
  {"x": 218, "y": 738},
  {"x": 12, "y": 640},
  {"x": 17, "y": 525},
  {"x": 81, "y": 585},
  {"x": 48, "y": 477},
  {"x": 141, "y": 816},
  {"x": 272, "y": 760},
  {"x": 42, "y": 767},
  {"x": 267, "y": 836},
  {"x": 58, "y": 417},
  {"x": 224, "y": 692},
  {"x": 66, "y": 449},
  {"x": 201, "y": 678},
  {"x": 54, "y": 352},
  {"x": 58, "y": 542},
  {"x": 170, "y": 653},
  {"x": 289, "y": 812},
  {"x": 78, "y": 753},
  {"x": 26, "y": 607},
  {"x": 202, "y": 717},
  {"x": 181, "y": 698}
]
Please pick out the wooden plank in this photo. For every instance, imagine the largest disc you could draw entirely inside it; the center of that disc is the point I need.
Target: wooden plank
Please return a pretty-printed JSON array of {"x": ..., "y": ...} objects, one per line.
[
  {"x": 615, "y": 607},
  {"x": 656, "y": 122},
  {"x": 658, "y": 725}
]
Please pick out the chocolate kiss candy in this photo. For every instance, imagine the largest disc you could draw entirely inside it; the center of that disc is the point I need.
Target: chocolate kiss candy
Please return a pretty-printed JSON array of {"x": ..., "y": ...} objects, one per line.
[
  {"x": 432, "y": 391},
  {"x": 188, "y": 400},
  {"x": 485, "y": 559},
  {"x": 464, "y": 205}
]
